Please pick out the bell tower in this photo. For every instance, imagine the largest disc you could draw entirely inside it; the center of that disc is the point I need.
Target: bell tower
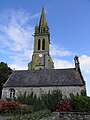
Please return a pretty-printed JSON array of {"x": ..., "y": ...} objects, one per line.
[{"x": 41, "y": 58}]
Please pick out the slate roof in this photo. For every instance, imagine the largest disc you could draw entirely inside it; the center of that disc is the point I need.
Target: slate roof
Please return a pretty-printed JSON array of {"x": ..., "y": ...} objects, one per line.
[{"x": 43, "y": 78}]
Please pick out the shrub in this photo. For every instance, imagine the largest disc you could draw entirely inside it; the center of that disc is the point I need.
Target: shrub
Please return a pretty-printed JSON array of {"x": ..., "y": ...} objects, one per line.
[
  {"x": 22, "y": 98},
  {"x": 51, "y": 99},
  {"x": 80, "y": 103},
  {"x": 9, "y": 107},
  {"x": 38, "y": 105},
  {"x": 65, "y": 106},
  {"x": 48, "y": 100},
  {"x": 31, "y": 100},
  {"x": 25, "y": 109},
  {"x": 83, "y": 92}
]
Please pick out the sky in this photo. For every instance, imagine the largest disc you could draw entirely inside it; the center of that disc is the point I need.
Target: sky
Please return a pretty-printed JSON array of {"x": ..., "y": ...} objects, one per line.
[{"x": 69, "y": 23}]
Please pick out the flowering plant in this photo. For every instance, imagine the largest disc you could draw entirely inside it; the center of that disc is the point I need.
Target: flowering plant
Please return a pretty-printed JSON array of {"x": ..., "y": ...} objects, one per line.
[
  {"x": 8, "y": 107},
  {"x": 63, "y": 106}
]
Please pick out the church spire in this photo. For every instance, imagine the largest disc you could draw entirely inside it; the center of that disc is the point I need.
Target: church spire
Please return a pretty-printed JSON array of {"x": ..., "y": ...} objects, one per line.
[
  {"x": 42, "y": 22},
  {"x": 43, "y": 26},
  {"x": 41, "y": 58}
]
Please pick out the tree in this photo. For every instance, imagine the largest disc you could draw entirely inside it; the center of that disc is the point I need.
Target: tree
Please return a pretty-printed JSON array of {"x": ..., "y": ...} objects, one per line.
[{"x": 5, "y": 71}]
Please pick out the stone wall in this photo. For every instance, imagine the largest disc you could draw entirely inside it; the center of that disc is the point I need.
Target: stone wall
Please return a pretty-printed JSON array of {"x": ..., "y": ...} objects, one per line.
[
  {"x": 69, "y": 116},
  {"x": 66, "y": 90}
]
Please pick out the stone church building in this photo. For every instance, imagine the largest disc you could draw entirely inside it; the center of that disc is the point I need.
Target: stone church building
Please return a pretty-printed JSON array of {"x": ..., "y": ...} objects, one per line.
[{"x": 41, "y": 76}]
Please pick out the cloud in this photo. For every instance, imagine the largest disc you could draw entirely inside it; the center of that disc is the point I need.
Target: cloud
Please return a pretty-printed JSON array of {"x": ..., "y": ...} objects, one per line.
[
  {"x": 83, "y": 59},
  {"x": 59, "y": 51},
  {"x": 85, "y": 67},
  {"x": 17, "y": 67},
  {"x": 16, "y": 39},
  {"x": 85, "y": 63},
  {"x": 17, "y": 33},
  {"x": 62, "y": 64}
]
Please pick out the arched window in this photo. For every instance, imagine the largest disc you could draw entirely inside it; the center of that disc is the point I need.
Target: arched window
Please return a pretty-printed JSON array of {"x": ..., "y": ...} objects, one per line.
[
  {"x": 41, "y": 30},
  {"x": 43, "y": 44},
  {"x": 12, "y": 93},
  {"x": 38, "y": 44}
]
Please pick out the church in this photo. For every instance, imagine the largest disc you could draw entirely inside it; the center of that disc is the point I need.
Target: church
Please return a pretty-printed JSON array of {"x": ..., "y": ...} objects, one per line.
[{"x": 41, "y": 77}]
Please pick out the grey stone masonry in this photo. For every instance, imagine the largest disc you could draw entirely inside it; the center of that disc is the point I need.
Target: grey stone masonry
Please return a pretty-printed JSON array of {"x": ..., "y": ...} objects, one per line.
[{"x": 69, "y": 116}]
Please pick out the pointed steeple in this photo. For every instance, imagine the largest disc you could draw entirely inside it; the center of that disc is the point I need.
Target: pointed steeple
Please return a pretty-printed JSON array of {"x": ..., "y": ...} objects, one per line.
[
  {"x": 43, "y": 26},
  {"x": 43, "y": 22}
]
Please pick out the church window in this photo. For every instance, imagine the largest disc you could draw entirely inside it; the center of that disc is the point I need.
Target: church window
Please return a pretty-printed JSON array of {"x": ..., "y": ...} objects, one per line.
[
  {"x": 41, "y": 30},
  {"x": 43, "y": 44},
  {"x": 38, "y": 44},
  {"x": 12, "y": 93}
]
